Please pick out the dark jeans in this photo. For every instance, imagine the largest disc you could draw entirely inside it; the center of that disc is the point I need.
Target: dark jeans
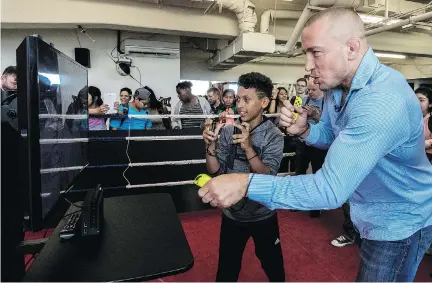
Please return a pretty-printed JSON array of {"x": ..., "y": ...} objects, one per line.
[
  {"x": 233, "y": 238},
  {"x": 291, "y": 145},
  {"x": 348, "y": 226},
  {"x": 307, "y": 154},
  {"x": 393, "y": 261}
]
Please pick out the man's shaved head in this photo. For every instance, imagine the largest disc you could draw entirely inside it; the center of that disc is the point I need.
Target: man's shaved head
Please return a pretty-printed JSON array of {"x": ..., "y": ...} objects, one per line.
[
  {"x": 334, "y": 43},
  {"x": 340, "y": 21}
]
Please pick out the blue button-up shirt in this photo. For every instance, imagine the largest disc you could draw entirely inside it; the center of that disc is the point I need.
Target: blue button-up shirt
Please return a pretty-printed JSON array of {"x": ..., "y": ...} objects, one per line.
[{"x": 376, "y": 158}]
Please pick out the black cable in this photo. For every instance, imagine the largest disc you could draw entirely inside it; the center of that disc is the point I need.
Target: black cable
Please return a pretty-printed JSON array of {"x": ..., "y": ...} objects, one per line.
[
  {"x": 136, "y": 80},
  {"x": 115, "y": 47},
  {"x": 76, "y": 33},
  {"x": 139, "y": 73}
]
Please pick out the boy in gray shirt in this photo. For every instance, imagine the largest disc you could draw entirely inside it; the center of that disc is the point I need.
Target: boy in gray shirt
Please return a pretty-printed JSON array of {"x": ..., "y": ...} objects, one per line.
[{"x": 255, "y": 145}]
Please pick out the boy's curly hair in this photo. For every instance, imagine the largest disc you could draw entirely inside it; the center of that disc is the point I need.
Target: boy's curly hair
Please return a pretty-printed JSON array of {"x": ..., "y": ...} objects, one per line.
[{"x": 260, "y": 82}]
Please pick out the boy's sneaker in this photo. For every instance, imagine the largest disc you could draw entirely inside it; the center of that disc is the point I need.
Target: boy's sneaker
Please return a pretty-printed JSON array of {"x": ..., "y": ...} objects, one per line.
[{"x": 342, "y": 241}]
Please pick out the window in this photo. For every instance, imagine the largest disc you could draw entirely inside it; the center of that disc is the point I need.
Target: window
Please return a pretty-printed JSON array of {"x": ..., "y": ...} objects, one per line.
[{"x": 200, "y": 87}]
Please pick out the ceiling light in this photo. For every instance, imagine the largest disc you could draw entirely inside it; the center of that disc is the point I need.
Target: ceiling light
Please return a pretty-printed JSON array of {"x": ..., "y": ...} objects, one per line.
[
  {"x": 391, "y": 55},
  {"x": 371, "y": 19}
]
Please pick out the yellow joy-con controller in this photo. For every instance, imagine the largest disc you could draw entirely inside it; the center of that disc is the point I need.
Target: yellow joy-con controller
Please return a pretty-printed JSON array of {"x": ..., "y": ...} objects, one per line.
[
  {"x": 298, "y": 102},
  {"x": 201, "y": 180}
]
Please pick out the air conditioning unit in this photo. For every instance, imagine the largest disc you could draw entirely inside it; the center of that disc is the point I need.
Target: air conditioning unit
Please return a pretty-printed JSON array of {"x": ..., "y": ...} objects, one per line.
[{"x": 148, "y": 48}]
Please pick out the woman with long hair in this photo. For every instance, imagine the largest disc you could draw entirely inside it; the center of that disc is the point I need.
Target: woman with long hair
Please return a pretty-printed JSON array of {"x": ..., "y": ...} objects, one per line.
[
  {"x": 278, "y": 98},
  {"x": 227, "y": 107},
  {"x": 95, "y": 104},
  {"x": 86, "y": 103},
  {"x": 424, "y": 96},
  {"x": 157, "y": 108}
]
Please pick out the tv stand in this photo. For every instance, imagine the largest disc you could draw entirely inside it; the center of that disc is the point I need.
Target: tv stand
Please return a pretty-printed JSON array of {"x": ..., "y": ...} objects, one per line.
[{"x": 142, "y": 239}]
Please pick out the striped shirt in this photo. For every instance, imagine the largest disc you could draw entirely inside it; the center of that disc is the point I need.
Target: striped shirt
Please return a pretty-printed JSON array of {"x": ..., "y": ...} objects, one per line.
[
  {"x": 376, "y": 159},
  {"x": 191, "y": 109}
]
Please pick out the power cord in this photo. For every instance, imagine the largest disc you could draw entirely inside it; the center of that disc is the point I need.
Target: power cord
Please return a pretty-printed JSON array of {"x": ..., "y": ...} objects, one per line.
[
  {"x": 139, "y": 71},
  {"x": 83, "y": 30}
]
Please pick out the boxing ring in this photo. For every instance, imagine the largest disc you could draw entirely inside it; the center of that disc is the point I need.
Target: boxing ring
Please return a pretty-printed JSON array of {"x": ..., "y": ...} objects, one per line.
[{"x": 142, "y": 159}]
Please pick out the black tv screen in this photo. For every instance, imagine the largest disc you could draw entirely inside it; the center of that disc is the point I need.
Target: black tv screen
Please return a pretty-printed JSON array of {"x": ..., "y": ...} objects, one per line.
[{"x": 51, "y": 84}]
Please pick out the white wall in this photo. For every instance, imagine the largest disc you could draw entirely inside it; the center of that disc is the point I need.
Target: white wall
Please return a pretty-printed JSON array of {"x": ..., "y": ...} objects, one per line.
[{"x": 160, "y": 74}]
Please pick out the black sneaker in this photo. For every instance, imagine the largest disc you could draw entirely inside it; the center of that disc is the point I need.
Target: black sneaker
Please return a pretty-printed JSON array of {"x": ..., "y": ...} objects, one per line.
[
  {"x": 315, "y": 213},
  {"x": 342, "y": 241}
]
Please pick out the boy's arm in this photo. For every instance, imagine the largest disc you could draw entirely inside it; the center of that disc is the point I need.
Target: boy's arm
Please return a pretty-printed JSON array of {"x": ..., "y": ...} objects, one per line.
[
  {"x": 271, "y": 156},
  {"x": 216, "y": 165},
  {"x": 176, "y": 122},
  {"x": 256, "y": 163}
]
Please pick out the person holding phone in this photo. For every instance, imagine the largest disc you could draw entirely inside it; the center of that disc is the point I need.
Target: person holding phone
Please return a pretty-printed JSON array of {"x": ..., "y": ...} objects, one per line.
[{"x": 253, "y": 145}]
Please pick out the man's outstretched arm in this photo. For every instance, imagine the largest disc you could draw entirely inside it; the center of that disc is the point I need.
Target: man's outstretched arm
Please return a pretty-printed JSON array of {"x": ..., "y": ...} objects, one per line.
[{"x": 372, "y": 132}]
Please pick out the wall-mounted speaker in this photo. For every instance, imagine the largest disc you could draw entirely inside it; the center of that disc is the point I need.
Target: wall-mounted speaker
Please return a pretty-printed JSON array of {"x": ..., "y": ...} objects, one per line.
[{"x": 82, "y": 56}]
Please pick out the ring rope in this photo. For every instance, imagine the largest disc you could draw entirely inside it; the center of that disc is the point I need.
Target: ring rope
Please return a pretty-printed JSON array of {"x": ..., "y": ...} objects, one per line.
[
  {"x": 129, "y": 138},
  {"x": 139, "y": 164},
  {"x": 170, "y": 184},
  {"x": 138, "y": 116}
]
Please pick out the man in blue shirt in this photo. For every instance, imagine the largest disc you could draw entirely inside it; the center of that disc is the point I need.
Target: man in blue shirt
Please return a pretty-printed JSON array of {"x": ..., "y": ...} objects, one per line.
[
  {"x": 371, "y": 125},
  {"x": 137, "y": 106}
]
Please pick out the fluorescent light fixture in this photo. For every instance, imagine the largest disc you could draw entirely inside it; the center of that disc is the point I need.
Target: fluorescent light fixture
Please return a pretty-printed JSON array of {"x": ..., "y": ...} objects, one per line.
[
  {"x": 390, "y": 55},
  {"x": 371, "y": 19}
]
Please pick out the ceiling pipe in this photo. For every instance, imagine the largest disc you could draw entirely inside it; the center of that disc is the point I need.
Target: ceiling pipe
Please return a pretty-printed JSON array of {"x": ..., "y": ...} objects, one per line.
[
  {"x": 410, "y": 20},
  {"x": 271, "y": 14},
  {"x": 307, "y": 12},
  {"x": 245, "y": 12},
  {"x": 386, "y": 10},
  {"x": 297, "y": 30},
  {"x": 337, "y": 3}
]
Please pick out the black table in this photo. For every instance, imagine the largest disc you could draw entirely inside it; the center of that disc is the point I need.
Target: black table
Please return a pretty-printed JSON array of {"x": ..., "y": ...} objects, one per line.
[{"x": 142, "y": 239}]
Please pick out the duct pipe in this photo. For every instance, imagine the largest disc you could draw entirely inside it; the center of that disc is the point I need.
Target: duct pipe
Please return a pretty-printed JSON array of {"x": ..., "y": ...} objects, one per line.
[
  {"x": 307, "y": 13},
  {"x": 297, "y": 30},
  {"x": 386, "y": 11},
  {"x": 270, "y": 14},
  {"x": 337, "y": 3},
  {"x": 410, "y": 20},
  {"x": 245, "y": 12}
]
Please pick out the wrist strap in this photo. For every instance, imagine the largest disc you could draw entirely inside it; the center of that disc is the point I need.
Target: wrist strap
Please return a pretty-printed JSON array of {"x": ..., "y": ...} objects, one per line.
[
  {"x": 210, "y": 152},
  {"x": 253, "y": 157},
  {"x": 307, "y": 128}
]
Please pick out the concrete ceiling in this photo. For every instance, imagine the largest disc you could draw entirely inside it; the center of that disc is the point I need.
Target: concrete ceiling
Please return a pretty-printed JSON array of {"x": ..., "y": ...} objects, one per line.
[{"x": 187, "y": 18}]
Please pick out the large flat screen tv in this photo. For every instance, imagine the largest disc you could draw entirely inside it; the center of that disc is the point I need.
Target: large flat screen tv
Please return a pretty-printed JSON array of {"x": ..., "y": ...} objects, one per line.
[{"x": 49, "y": 82}]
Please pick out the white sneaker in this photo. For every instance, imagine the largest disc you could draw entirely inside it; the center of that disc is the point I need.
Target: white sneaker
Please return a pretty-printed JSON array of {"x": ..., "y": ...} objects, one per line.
[{"x": 342, "y": 241}]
